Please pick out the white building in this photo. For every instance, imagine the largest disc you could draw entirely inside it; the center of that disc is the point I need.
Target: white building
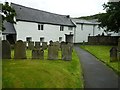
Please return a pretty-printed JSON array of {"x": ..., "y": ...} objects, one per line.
[
  {"x": 36, "y": 25},
  {"x": 85, "y": 28}
]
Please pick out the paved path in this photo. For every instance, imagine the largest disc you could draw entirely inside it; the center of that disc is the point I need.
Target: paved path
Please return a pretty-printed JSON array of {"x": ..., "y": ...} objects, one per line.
[{"x": 96, "y": 74}]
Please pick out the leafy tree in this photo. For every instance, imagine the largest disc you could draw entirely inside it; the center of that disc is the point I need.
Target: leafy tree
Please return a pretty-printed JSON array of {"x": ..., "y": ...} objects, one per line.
[
  {"x": 111, "y": 19},
  {"x": 9, "y": 14}
]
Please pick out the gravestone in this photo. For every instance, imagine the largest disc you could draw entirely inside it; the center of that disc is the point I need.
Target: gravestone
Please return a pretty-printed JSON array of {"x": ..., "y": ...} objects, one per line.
[
  {"x": 6, "y": 50},
  {"x": 31, "y": 45},
  {"x": 44, "y": 45},
  {"x": 38, "y": 54},
  {"x": 50, "y": 43},
  {"x": 61, "y": 44},
  {"x": 20, "y": 50},
  {"x": 57, "y": 44},
  {"x": 119, "y": 44},
  {"x": 37, "y": 45},
  {"x": 113, "y": 54},
  {"x": 67, "y": 52},
  {"x": 52, "y": 52},
  {"x": 25, "y": 44},
  {"x": 0, "y": 48},
  {"x": 119, "y": 49}
]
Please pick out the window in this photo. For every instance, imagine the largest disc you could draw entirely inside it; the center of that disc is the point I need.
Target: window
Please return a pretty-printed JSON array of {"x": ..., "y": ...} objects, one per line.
[
  {"x": 40, "y": 26},
  {"x": 60, "y": 39},
  {"x": 28, "y": 39},
  {"x": 41, "y": 39},
  {"x": 70, "y": 28},
  {"x": 61, "y": 28}
]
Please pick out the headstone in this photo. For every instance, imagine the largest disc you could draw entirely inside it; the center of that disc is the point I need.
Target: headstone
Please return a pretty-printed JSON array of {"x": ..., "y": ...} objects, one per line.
[
  {"x": 119, "y": 44},
  {"x": 50, "y": 43},
  {"x": 52, "y": 52},
  {"x": 119, "y": 49},
  {"x": 20, "y": 50},
  {"x": 6, "y": 50},
  {"x": 37, "y": 45},
  {"x": 57, "y": 44},
  {"x": 113, "y": 54},
  {"x": 25, "y": 44},
  {"x": 31, "y": 45},
  {"x": 44, "y": 45},
  {"x": 38, "y": 54},
  {"x": 66, "y": 52},
  {"x": 61, "y": 44}
]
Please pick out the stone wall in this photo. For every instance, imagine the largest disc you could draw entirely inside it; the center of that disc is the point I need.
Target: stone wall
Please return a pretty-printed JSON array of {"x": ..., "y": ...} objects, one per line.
[{"x": 103, "y": 40}]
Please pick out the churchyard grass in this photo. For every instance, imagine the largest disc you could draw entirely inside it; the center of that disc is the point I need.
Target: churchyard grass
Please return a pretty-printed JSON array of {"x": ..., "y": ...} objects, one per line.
[
  {"x": 103, "y": 54},
  {"x": 45, "y": 73}
]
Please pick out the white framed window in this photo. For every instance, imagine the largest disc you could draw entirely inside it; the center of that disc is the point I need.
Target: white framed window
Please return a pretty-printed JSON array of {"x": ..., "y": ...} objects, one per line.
[
  {"x": 41, "y": 39},
  {"x": 70, "y": 28},
  {"x": 28, "y": 39},
  {"x": 60, "y": 39},
  {"x": 61, "y": 28},
  {"x": 40, "y": 27}
]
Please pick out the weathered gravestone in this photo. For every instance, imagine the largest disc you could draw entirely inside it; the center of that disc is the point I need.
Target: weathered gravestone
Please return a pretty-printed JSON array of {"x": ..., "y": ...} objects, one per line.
[
  {"x": 25, "y": 44},
  {"x": 113, "y": 54},
  {"x": 52, "y": 52},
  {"x": 44, "y": 45},
  {"x": 37, "y": 45},
  {"x": 0, "y": 48},
  {"x": 119, "y": 49},
  {"x": 6, "y": 50},
  {"x": 38, "y": 54},
  {"x": 50, "y": 42},
  {"x": 31, "y": 45},
  {"x": 57, "y": 44},
  {"x": 66, "y": 52},
  {"x": 20, "y": 50}
]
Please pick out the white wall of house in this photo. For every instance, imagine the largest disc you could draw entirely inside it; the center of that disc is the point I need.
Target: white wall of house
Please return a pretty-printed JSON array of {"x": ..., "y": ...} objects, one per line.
[
  {"x": 82, "y": 32},
  {"x": 50, "y": 32}
]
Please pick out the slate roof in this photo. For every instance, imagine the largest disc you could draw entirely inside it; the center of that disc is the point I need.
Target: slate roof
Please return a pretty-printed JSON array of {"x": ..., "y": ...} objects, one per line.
[
  {"x": 88, "y": 22},
  {"x": 9, "y": 28},
  {"x": 39, "y": 16}
]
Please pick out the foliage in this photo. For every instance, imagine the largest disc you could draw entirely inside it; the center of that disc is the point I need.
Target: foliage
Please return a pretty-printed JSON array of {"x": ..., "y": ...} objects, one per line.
[
  {"x": 111, "y": 19},
  {"x": 42, "y": 73},
  {"x": 9, "y": 13},
  {"x": 91, "y": 16},
  {"x": 103, "y": 54}
]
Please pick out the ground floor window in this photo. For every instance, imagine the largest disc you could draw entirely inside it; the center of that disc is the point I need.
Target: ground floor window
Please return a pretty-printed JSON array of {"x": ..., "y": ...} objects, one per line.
[
  {"x": 28, "y": 39},
  {"x": 60, "y": 39},
  {"x": 41, "y": 39}
]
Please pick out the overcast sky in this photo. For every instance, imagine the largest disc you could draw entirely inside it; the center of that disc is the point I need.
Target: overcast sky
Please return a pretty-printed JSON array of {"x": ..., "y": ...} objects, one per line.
[{"x": 74, "y": 8}]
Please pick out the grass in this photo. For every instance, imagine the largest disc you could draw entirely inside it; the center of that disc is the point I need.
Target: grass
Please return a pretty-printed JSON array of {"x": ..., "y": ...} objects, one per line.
[
  {"x": 42, "y": 73},
  {"x": 103, "y": 54}
]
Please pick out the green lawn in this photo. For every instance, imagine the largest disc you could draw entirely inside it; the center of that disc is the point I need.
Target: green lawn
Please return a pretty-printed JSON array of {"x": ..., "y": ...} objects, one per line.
[
  {"x": 42, "y": 73},
  {"x": 102, "y": 53}
]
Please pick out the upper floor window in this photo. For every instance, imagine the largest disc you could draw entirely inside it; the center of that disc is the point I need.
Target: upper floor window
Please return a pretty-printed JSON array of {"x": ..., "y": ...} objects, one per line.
[
  {"x": 61, "y": 28},
  {"x": 70, "y": 28},
  {"x": 40, "y": 26}
]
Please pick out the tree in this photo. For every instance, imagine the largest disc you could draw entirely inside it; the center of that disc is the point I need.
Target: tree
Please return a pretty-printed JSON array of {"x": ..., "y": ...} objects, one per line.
[
  {"x": 111, "y": 19},
  {"x": 9, "y": 14}
]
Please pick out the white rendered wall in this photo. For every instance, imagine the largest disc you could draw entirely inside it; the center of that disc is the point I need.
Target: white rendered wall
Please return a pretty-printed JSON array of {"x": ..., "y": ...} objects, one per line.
[
  {"x": 82, "y": 35},
  {"x": 50, "y": 32}
]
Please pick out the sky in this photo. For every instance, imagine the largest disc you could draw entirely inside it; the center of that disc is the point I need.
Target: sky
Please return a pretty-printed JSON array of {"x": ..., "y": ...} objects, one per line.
[{"x": 74, "y": 8}]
